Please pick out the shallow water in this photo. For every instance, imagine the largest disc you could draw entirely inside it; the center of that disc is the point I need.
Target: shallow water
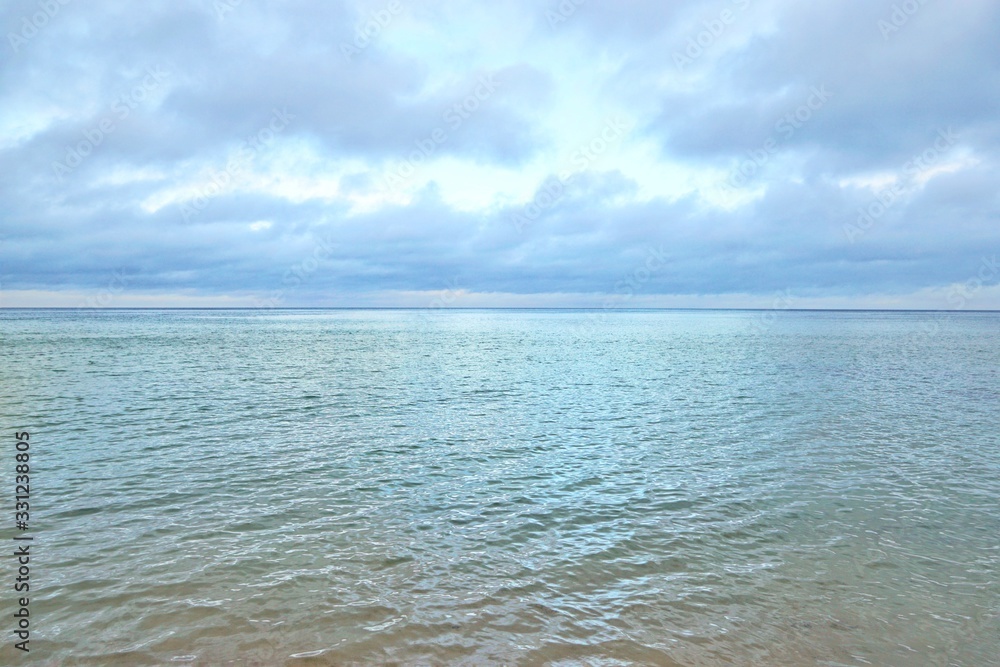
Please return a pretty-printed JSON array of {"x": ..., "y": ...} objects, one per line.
[{"x": 508, "y": 487}]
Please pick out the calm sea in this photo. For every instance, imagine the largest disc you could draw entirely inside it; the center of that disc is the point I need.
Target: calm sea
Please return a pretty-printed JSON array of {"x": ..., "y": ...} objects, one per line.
[{"x": 506, "y": 487}]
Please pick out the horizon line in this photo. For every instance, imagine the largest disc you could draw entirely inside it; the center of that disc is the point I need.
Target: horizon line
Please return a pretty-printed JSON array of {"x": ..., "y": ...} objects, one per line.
[{"x": 512, "y": 308}]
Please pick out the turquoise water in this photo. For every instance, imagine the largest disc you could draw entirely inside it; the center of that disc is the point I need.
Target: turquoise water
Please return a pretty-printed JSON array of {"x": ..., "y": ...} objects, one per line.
[{"x": 508, "y": 487}]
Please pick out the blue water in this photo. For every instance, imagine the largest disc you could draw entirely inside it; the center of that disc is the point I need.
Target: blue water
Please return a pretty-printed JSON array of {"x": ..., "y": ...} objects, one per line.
[{"x": 507, "y": 487}]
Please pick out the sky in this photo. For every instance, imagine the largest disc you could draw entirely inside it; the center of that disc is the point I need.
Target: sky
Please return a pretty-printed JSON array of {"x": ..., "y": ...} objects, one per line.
[{"x": 582, "y": 153}]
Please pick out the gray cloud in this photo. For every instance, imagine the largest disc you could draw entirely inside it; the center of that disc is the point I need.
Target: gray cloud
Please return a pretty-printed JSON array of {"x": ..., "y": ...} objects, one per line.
[{"x": 157, "y": 94}]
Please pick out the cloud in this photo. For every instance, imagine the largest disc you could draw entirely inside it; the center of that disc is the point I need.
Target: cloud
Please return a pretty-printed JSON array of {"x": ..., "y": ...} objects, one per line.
[{"x": 238, "y": 153}]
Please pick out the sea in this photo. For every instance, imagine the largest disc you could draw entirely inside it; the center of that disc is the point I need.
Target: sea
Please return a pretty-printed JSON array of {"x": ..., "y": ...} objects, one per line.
[{"x": 504, "y": 487}]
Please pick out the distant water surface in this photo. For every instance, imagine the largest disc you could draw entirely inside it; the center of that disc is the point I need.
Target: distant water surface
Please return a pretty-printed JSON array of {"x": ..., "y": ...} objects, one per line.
[{"x": 508, "y": 487}]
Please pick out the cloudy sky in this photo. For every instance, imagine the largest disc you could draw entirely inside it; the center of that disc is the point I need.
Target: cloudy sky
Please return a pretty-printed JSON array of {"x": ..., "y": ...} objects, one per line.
[{"x": 526, "y": 153}]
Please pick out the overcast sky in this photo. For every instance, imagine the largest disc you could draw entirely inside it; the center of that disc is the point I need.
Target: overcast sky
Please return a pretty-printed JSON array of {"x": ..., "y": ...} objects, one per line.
[{"x": 524, "y": 153}]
